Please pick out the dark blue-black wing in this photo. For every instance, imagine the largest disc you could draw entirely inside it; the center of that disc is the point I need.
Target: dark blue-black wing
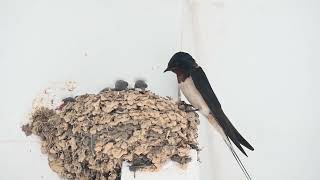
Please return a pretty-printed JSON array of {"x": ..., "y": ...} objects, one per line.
[{"x": 201, "y": 82}]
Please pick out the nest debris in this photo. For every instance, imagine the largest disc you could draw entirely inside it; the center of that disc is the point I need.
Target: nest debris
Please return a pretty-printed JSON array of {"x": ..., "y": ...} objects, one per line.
[{"x": 91, "y": 135}]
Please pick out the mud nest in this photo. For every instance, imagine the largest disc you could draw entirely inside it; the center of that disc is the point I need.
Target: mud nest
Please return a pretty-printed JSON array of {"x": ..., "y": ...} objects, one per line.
[{"x": 91, "y": 135}]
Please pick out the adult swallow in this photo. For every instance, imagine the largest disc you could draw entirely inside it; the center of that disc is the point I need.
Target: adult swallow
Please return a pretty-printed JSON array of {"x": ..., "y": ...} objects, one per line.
[{"x": 195, "y": 86}]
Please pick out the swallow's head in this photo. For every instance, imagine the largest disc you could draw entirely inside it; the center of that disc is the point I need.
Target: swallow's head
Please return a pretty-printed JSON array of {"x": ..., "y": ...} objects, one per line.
[{"x": 181, "y": 62}]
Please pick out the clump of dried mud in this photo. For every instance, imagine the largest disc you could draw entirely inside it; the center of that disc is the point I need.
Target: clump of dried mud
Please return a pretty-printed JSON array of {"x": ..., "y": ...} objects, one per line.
[{"x": 90, "y": 136}]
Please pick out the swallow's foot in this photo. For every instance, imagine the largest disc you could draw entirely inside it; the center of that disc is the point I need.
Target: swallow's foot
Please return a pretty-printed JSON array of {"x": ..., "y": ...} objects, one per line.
[
  {"x": 186, "y": 107},
  {"x": 179, "y": 102},
  {"x": 191, "y": 110}
]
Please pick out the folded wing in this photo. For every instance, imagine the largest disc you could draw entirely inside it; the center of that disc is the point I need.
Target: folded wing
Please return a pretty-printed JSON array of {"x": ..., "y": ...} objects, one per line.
[{"x": 201, "y": 82}]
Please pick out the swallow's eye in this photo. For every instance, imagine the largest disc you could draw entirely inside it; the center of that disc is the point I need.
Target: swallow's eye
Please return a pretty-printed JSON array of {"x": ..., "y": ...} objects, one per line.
[{"x": 173, "y": 68}]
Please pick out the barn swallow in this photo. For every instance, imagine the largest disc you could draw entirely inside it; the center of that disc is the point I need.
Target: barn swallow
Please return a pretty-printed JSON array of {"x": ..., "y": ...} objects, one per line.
[{"x": 195, "y": 86}]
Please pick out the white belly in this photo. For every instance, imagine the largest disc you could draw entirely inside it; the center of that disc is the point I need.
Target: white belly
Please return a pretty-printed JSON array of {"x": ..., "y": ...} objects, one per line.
[{"x": 190, "y": 91}]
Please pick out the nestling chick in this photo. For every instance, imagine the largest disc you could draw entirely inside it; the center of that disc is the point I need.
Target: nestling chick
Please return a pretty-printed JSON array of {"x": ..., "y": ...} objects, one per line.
[
  {"x": 141, "y": 84},
  {"x": 120, "y": 85}
]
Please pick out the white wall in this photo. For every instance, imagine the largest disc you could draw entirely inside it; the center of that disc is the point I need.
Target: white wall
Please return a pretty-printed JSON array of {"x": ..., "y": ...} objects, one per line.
[
  {"x": 261, "y": 56},
  {"x": 266, "y": 73}
]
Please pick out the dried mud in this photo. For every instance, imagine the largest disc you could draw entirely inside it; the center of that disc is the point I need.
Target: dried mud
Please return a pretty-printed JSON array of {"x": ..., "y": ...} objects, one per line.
[{"x": 90, "y": 136}]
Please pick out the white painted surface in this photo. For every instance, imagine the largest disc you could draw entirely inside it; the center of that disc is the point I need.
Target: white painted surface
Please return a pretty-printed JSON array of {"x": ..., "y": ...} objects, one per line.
[{"x": 262, "y": 57}]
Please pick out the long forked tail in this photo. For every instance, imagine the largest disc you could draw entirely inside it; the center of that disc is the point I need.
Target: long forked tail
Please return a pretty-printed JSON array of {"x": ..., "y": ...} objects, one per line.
[{"x": 227, "y": 141}]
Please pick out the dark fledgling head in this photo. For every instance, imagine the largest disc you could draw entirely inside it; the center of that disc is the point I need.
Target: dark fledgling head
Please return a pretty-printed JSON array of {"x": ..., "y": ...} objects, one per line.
[
  {"x": 140, "y": 84},
  {"x": 120, "y": 85},
  {"x": 181, "y": 61}
]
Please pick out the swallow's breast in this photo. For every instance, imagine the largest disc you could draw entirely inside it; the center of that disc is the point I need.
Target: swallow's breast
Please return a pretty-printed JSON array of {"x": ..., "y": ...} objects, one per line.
[{"x": 190, "y": 91}]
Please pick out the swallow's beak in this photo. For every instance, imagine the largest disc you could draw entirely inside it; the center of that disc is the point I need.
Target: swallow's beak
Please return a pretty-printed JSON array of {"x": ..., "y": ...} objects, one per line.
[{"x": 168, "y": 69}]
